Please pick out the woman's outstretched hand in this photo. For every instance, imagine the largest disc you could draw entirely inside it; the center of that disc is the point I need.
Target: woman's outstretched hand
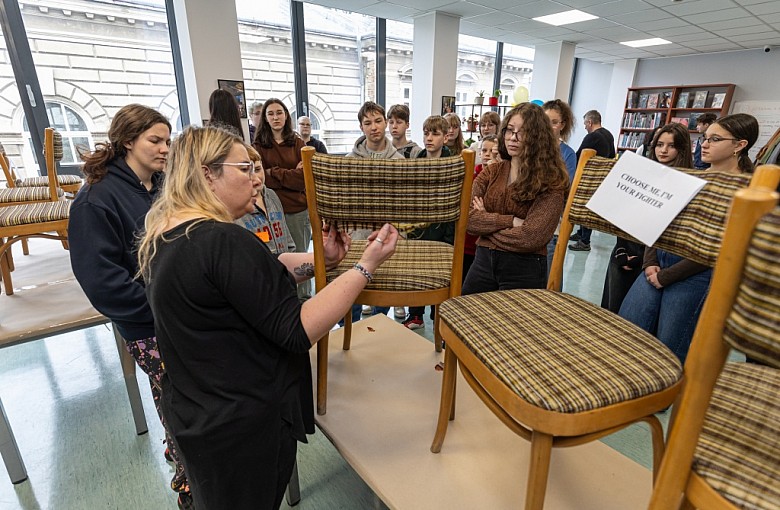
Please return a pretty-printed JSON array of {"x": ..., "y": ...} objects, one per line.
[
  {"x": 336, "y": 244},
  {"x": 380, "y": 247}
]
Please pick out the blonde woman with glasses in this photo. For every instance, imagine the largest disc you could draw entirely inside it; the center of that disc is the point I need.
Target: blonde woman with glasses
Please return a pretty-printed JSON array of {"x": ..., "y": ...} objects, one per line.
[{"x": 233, "y": 335}]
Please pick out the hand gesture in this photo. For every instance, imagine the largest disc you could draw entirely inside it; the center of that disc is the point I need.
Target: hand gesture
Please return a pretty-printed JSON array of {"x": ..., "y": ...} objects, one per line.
[
  {"x": 380, "y": 247},
  {"x": 478, "y": 204},
  {"x": 336, "y": 244}
]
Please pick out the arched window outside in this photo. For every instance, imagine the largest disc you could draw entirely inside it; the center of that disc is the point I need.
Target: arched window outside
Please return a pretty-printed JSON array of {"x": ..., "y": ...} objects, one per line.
[
  {"x": 316, "y": 124},
  {"x": 72, "y": 127}
]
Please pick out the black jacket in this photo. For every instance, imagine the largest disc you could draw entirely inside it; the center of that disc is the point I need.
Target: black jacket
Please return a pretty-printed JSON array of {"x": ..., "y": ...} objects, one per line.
[{"x": 104, "y": 221}]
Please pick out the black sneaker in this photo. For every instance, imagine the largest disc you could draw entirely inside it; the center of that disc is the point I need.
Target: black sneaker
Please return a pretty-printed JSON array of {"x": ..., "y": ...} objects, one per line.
[
  {"x": 579, "y": 246},
  {"x": 575, "y": 237},
  {"x": 185, "y": 501}
]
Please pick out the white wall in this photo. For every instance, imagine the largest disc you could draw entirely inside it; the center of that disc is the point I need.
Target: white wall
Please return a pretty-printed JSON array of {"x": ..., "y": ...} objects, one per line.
[
  {"x": 590, "y": 92},
  {"x": 755, "y": 73}
]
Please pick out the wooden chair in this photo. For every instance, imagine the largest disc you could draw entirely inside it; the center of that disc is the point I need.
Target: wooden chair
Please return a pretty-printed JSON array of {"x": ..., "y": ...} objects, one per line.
[
  {"x": 23, "y": 221},
  {"x": 724, "y": 442},
  {"x": 352, "y": 193},
  {"x": 65, "y": 183},
  {"x": 19, "y": 196},
  {"x": 558, "y": 370}
]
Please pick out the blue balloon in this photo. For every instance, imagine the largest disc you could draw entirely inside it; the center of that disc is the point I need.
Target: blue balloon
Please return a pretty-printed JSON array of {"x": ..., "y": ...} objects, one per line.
[{"x": 537, "y": 102}]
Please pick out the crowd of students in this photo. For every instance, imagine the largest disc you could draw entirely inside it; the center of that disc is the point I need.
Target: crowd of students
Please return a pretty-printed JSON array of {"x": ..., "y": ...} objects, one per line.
[{"x": 214, "y": 301}]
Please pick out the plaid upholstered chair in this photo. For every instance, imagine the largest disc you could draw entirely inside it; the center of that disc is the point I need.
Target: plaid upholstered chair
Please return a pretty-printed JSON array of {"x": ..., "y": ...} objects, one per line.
[
  {"x": 23, "y": 221},
  {"x": 18, "y": 196},
  {"x": 352, "y": 193},
  {"x": 724, "y": 443},
  {"x": 560, "y": 371}
]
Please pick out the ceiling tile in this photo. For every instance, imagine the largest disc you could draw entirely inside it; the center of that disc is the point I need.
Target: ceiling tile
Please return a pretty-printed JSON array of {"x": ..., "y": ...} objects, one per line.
[
  {"x": 549, "y": 32},
  {"x": 745, "y": 24},
  {"x": 501, "y": 4},
  {"x": 668, "y": 32},
  {"x": 765, "y": 8},
  {"x": 771, "y": 18},
  {"x": 697, "y": 6},
  {"x": 618, "y": 7},
  {"x": 426, "y": 5},
  {"x": 580, "y": 4},
  {"x": 728, "y": 32},
  {"x": 495, "y": 19},
  {"x": 619, "y": 34},
  {"x": 522, "y": 26},
  {"x": 388, "y": 10},
  {"x": 466, "y": 9},
  {"x": 707, "y": 17},
  {"x": 636, "y": 18},
  {"x": 759, "y": 36},
  {"x": 587, "y": 26},
  {"x": 751, "y": 2},
  {"x": 347, "y": 5},
  {"x": 536, "y": 9},
  {"x": 650, "y": 26}
]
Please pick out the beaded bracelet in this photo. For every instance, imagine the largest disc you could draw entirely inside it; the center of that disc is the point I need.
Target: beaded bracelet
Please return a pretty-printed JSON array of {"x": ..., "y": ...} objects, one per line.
[{"x": 362, "y": 270}]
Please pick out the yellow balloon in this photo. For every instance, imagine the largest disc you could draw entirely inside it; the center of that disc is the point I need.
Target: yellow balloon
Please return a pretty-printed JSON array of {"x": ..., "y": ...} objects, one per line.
[{"x": 520, "y": 95}]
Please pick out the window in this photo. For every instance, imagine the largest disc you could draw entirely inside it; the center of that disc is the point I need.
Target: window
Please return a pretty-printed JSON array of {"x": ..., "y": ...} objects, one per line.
[
  {"x": 74, "y": 131},
  {"x": 476, "y": 65},
  {"x": 516, "y": 71},
  {"x": 399, "y": 63}
]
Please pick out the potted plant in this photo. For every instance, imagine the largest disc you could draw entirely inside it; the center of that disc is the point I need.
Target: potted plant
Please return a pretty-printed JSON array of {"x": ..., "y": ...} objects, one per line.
[
  {"x": 480, "y": 99},
  {"x": 493, "y": 100},
  {"x": 468, "y": 142},
  {"x": 471, "y": 123}
]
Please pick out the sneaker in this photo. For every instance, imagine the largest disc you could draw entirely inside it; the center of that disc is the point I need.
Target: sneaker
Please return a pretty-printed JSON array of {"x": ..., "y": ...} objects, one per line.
[
  {"x": 433, "y": 312},
  {"x": 414, "y": 322},
  {"x": 168, "y": 455},
  {"x": 579, "y": 246},
  {"x": 368, "y": 309},
  {"x": 575, "y": 237},
  {"x": 185, "y": 501},
  {"x": 399, "y": 312}
]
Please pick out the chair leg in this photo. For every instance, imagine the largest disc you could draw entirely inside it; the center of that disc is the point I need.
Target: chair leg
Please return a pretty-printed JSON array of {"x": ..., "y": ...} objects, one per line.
[
  {"x": 63, "y": 233},
  {"x": 437, "y": 340},
  {"x": 10, "y": 451},
  {"x": 447, "y": 404},
  {"x": 25, "y": 247},
  {"x": 5, "y": 271},
  {"x": 347, "y": 330},
  {"x": 686, "y": 504},
  {"x": 657, "y": 433},
  {"x": 322, "y": 375},
  {"x": 538, "y": 471},
  {"x": 293, "y": 492},
  {"x": 131, "y": 384}
]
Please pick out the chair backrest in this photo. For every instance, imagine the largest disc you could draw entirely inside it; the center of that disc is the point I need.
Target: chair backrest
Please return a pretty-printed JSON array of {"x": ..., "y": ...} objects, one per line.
[
  {"x": 52, "y": 151},
  {"x": 10, "y": 178},
  {"x": 355, "y": 193}
]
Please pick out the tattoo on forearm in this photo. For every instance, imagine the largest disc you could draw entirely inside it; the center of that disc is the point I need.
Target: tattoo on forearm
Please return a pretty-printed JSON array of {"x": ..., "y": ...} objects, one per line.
[{"x": 305, "y": 269}]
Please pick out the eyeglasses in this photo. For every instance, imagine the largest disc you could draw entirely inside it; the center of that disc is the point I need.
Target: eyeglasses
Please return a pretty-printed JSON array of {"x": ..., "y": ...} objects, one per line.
[
  {"x": 716, "y": 139},
  {"x": 509, "y": 134},
  {"x": 245, "y": 168}
]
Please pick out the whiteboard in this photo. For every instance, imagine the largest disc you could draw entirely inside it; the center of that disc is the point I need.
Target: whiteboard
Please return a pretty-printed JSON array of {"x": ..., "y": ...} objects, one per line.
[{"x": 768, "y": 115}]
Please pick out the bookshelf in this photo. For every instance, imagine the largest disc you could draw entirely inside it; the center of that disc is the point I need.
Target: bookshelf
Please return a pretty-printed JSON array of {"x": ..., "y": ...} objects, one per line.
[{"x": 650, "y": 107}]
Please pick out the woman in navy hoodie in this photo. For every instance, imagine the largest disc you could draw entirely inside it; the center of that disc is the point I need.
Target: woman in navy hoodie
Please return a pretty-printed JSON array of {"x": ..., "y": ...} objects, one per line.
[{"x": 123, "y": 177}]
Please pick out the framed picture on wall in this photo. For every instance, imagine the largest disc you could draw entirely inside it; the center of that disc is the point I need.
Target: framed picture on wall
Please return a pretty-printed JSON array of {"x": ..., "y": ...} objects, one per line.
[
  {"x": 235, "y": 87},
  {"x": 447, "y": 104}
]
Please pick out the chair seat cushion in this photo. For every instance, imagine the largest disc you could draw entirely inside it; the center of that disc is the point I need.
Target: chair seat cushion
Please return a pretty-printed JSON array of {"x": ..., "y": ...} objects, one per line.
[
  {"x": 558, "y": 352},
  {"x": 26, "y": 194},
  {"x": 415, "y": 265},
  {"x": 26, "y": 214},
  {"x": 738, "y": 453},
  {"x": 62, "y": 180}
]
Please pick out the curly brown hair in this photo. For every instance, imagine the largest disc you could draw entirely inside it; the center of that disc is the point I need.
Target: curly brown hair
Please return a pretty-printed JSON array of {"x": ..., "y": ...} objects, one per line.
[
  {"x": 129, "y": 123},
  {"x": 541, "y": 165},
  {"x": 567, "y": 116}
]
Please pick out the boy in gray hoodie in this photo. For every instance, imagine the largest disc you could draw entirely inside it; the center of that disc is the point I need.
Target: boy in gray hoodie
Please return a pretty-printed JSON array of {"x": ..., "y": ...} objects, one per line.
[{"x": 374, "y": 143}]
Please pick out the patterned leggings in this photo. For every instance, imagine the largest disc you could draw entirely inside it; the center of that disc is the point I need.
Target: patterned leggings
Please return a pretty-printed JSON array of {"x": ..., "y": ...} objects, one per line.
[{"x": 147, "y": 356}]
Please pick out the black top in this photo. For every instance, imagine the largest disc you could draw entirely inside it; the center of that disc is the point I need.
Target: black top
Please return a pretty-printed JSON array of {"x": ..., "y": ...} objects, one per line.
[
  {"x": 104, "y": 220},
  {"x": 601, "y": 141},
  {"x": 319, "y": 145},
  {"x": 230, "y": 333}
]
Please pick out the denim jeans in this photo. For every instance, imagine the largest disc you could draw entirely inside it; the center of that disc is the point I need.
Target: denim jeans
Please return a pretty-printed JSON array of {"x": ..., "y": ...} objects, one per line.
[
  {"x": 585, "y": 234},
  {"x": 669, "y": 313},
  {"x": 503, "y": 270}
]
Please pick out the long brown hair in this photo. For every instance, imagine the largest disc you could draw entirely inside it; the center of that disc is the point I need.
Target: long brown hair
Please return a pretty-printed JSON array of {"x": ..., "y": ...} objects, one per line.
[
  {"x": 223, "y": 109},
  {"x": 567, "y": 116},
  {"x": 682, "y": 142},
  {"x": 455, "y": 146},
  {"x": 128, "y": 124},
  {"x": 541, "y": 165},
  {"x": 264, "y": 135}
]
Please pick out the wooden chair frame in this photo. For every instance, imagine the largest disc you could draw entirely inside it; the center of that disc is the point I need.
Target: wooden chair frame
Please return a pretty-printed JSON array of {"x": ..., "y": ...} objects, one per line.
[
  {"x": 12, "y": 234},
  {"x": 11, "y": 179},
  {"x": 547, "y": 429},
  {"x": 676, "y": 483},
  {"x": 381, "y": 297}
]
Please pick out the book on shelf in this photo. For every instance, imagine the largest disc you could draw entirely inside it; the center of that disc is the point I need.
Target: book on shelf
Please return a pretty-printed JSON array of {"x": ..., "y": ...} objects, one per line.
[
  {"x": 652, "y": 101},
  {"x": 633, "y": 99},
  {"x": 666, "y": 98},
  {"x": 681, "y": 120},
  {"x": 643, "y": 100},
  {"x": 718, "y": 99},
  {"x": 692, "y": 120},
  {"x": 682, "y": 100},
  {"x": 639, "y": 120},
  {"x": 700, "y": 99}
]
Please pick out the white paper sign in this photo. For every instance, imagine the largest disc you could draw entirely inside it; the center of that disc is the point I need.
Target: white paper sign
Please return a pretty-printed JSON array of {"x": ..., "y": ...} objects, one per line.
[{"x": 642, "y": 197}]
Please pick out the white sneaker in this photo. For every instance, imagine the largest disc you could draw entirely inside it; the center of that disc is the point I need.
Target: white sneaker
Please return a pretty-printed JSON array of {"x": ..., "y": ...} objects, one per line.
[
  {"x": 399, "y": 312},
  {"x": 368, "y": 309}
]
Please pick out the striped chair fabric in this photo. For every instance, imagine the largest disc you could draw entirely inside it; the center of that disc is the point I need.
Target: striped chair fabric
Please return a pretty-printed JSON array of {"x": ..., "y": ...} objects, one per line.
[
  {"x": 62, "y": 180},
  {"x": 28, "y": 214},
  {"x": 26, "y": 194},
  {"x": 399, "y": 191},
  {"x": 738, "y": 452},
  {"x": 394, "y": 273},
  {"x": 695, "y": 234},
  {"x": 604, "y": 360}
]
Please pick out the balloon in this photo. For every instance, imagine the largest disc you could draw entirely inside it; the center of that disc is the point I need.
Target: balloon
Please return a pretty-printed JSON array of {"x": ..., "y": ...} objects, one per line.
[
  {"x": 520, "y": 95},
  {"x": 537, "y": 102}
]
